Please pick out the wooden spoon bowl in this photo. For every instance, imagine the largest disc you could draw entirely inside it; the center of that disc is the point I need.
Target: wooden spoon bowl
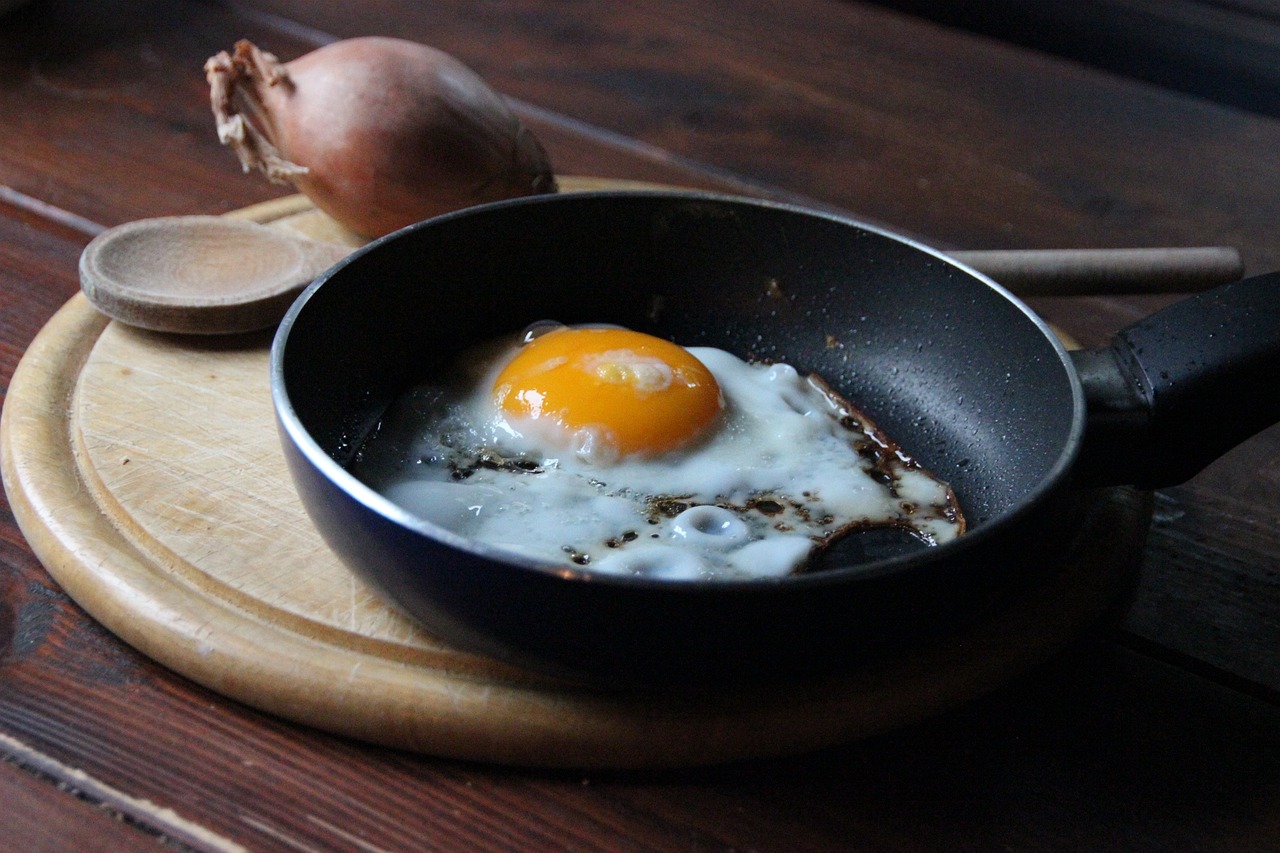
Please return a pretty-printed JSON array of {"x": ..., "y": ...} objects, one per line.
[{"x": 200, "y": 274}]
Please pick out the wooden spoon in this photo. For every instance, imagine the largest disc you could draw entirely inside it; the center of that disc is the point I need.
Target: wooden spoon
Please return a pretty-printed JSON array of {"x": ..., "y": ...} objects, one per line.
[
  {"x": 200, "y": 274},
  {"x": 218, "y": 275}
]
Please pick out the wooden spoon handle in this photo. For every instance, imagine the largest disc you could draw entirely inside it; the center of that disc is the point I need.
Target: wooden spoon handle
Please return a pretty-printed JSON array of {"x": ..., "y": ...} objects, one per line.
[{"x": 1082, "y": 272}]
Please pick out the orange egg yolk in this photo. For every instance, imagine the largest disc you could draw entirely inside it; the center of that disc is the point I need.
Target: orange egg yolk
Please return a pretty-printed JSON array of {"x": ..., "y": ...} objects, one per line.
[{"x": 639, "y": 394}]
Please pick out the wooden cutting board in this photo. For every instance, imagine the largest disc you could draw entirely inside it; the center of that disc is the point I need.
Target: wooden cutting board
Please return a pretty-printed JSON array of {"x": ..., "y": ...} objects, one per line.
[{"x": 145, "y": 472}]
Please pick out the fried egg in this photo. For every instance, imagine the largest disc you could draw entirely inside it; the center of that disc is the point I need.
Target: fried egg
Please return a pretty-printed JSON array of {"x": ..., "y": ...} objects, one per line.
[{"x": 607, "y": 450}]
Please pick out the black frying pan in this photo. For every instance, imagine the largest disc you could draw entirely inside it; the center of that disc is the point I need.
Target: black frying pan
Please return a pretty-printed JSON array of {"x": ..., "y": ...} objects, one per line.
[{"x": 963, "y": 375}]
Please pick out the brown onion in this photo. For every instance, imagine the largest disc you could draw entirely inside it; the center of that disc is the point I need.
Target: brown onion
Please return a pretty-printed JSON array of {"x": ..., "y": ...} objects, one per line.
[{"x": 378, "y": 132}]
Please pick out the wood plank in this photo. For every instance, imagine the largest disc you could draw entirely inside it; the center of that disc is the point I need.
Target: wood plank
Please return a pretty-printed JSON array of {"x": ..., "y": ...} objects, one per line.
[
  {"x": 37, "y": 275},
  {"x": 1221, "y": 51},
  {"x": 1215, "y": 613},
  {"x": 40, "y": 815},
  {"x": 135, "y": 78}
]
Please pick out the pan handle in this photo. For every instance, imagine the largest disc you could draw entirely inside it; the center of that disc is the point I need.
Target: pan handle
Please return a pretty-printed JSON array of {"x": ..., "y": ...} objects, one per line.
[{"x": 1178, "y": 389}]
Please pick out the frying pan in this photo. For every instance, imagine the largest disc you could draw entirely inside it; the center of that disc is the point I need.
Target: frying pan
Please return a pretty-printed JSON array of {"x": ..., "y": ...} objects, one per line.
[{"x": 959, "y": 372}]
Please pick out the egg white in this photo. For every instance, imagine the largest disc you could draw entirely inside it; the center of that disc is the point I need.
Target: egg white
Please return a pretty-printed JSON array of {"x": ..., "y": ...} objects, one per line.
[{"x": 788, "y": 468}]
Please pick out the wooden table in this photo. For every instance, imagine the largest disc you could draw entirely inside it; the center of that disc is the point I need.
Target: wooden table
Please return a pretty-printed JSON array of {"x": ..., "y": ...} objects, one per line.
[{"x": 1157, "y": 730}]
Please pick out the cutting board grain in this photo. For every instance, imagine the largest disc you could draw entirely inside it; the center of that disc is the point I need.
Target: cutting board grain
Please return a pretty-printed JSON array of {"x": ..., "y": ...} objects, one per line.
[{"x": 145, "y": 472}]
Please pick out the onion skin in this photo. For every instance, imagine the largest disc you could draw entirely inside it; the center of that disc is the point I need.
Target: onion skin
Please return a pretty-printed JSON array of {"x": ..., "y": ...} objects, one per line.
[{"x": 378, "y": 132}]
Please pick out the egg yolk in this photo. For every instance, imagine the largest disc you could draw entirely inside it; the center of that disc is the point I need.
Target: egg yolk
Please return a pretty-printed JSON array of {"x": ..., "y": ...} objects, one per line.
[{"x": 638, "y": 394}]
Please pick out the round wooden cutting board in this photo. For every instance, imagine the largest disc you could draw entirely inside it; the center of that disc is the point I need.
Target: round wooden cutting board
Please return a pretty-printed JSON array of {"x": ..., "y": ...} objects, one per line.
[{"x": 145, "y": 471}]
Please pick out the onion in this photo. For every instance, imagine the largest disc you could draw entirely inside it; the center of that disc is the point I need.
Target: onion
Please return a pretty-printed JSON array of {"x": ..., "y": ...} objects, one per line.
[{"x": 378, "y": 132}]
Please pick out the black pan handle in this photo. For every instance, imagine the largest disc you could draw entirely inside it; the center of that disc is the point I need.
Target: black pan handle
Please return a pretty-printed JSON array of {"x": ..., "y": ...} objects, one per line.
[{"x": 1178, "y": 389}]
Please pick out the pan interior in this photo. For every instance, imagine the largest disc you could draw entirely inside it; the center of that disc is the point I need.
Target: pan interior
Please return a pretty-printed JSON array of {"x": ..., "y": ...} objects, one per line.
[{"x": 954, "y": 370}]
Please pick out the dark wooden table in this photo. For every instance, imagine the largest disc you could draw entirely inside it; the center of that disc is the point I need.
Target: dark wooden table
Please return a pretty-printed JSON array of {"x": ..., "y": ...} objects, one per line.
[{"x": 1157, "y": 732}]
